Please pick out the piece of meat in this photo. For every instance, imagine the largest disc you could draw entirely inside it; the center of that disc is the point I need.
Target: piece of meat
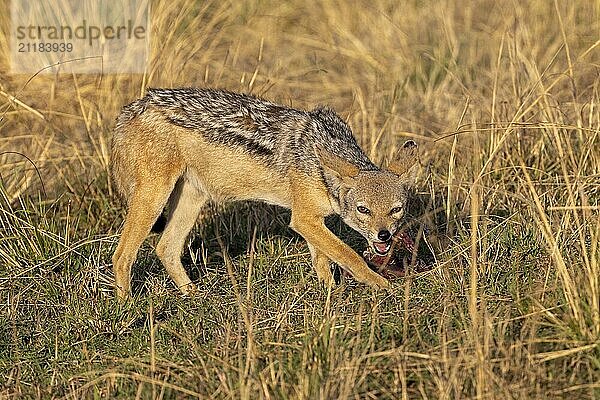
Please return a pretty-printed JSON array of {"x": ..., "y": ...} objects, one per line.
[{"x": 394, "y": 263}]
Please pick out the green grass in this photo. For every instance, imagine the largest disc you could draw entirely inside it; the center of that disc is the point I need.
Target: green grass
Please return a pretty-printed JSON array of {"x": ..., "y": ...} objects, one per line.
[{"x": 503, "y": 99}]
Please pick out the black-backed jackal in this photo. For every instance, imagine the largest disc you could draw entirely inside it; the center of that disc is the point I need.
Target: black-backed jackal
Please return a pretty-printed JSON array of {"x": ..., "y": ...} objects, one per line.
[{"x": 184, "y": 147}]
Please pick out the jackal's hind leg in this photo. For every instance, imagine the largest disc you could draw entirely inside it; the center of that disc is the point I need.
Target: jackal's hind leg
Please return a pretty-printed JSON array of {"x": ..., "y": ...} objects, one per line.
[
  {"x": 144, "y": 208},
  {"x": 185, "y": 205}
]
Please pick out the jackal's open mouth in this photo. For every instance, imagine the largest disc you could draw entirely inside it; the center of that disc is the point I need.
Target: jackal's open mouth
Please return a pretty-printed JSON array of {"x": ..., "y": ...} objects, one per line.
[{"x": 382, "y": 248}]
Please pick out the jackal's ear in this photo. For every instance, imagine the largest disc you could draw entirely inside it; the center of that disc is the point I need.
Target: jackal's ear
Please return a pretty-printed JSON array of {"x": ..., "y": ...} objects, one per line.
[
  {"x": 404, "y": 163},
  {"x": 335, "y": 166}
]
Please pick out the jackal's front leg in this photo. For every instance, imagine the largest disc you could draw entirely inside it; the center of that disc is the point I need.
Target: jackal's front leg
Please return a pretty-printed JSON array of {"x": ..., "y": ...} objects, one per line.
[
  {"x": 322, "y": 265},
  {"x": 315, "y": 232}
]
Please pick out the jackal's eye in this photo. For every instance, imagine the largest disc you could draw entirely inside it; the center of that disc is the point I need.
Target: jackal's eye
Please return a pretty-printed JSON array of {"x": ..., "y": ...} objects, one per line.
[
  {"x": 363, "y": 210},
  {"x": 395, "y": 210}
]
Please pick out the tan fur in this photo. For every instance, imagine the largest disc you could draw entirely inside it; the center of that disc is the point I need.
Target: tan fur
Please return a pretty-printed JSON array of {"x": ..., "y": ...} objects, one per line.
[{"x": 155, "y": 162}]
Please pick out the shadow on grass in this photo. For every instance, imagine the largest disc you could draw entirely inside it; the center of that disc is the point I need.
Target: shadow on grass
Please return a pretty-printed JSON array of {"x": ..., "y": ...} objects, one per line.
[{"x": 236, "y": 223}]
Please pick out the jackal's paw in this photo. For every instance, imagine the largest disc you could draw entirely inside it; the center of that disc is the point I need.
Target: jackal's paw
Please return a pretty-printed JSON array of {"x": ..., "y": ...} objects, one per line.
[
  {"x": 189, "y": 290},
  {"x": 381, "y": 283},
  {"x": 375, "y": 281}
]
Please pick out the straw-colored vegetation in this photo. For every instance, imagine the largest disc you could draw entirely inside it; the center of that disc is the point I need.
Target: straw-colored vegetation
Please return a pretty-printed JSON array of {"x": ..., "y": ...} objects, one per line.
[{"x": 503, "y": 98}]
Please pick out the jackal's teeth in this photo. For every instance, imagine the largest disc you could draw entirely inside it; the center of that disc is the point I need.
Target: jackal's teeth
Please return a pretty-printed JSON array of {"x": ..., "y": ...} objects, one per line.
[{"x": 381, "y": 248}]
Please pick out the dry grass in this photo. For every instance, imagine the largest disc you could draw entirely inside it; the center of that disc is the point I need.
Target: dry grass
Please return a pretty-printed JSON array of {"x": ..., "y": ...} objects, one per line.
[{"x": 503, "y": 98}]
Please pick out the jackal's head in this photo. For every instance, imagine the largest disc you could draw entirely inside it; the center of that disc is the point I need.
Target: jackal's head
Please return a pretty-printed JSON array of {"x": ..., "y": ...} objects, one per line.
[{"x": 373, "y": 202}]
